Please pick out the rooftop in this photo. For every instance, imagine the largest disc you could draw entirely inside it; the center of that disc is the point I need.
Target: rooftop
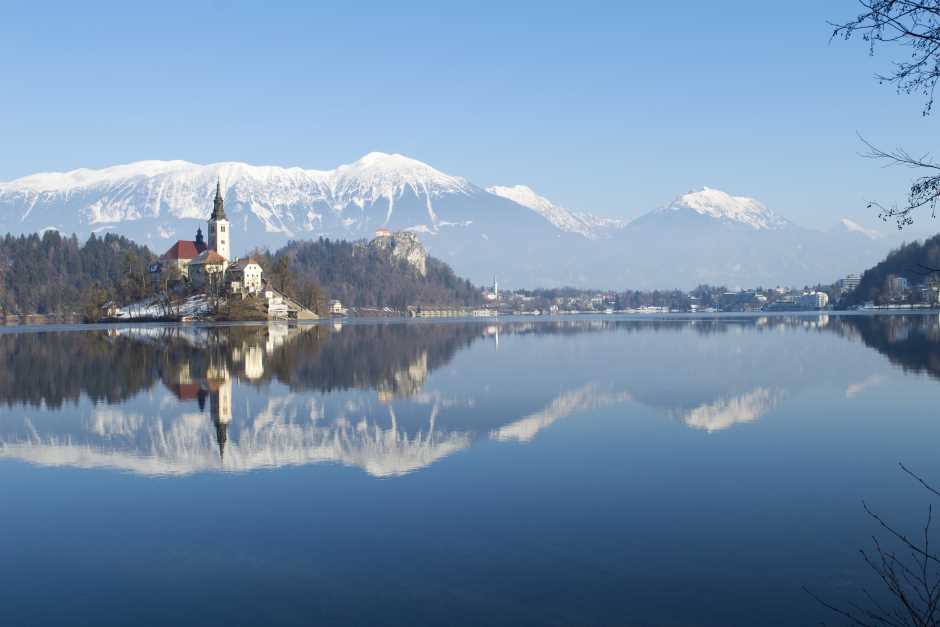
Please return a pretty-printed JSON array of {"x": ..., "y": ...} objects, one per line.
[{"x": 184, "y": 249}]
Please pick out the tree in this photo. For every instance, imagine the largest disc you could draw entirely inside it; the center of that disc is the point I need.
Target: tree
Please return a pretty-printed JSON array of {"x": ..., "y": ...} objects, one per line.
[
  {"x": 280, "y": 274},
  {"x": 311, "y": 296},
  {"x": 908, "y": 567},
  {"x": 914, "y": 25}
]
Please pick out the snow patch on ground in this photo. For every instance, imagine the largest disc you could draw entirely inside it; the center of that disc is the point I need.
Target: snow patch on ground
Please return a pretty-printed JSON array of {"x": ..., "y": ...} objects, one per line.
[{"x": 196, "y": 305}]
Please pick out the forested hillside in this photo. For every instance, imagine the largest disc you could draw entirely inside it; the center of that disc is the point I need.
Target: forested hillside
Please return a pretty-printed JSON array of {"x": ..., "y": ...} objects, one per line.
[
  {"x": 363, "y": 275},
  {"x": 912, "y": 261},
  {"x": 52, "y": 274}
]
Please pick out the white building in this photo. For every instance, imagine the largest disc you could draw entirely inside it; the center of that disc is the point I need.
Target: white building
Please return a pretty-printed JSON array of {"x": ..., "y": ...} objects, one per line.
[
  {"x": 219, "y": 230},
  {"x": 850, "y": 282},
  {"x": 814, "y": 300},
  {"x": 244, "y": 275}
]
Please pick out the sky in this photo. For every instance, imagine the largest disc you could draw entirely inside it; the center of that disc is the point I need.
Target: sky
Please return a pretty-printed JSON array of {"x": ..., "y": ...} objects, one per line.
[{"x": 614, "y": 108}]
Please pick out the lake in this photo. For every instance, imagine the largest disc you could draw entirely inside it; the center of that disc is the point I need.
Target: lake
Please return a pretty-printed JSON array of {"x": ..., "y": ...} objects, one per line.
[{"x": 591, "y": 471}]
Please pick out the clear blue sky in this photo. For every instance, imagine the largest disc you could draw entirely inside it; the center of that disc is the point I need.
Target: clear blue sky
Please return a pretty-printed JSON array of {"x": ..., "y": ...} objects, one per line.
[{"x": 607, "y": 107}]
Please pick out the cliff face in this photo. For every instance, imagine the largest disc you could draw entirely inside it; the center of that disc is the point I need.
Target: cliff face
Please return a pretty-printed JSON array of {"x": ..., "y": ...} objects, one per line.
[{"x": 404, "y": 246}]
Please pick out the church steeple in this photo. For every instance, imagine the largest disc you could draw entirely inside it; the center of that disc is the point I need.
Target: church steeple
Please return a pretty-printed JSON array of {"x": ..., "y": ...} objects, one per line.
[
  {"x": 218, "y": 226},
  {"x": 218, "y": 210},
  {"x": 221, "y": 437}
]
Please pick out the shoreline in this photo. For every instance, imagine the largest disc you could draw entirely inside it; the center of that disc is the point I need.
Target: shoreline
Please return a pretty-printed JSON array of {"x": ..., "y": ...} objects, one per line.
[{"x": 52, "y": 323}]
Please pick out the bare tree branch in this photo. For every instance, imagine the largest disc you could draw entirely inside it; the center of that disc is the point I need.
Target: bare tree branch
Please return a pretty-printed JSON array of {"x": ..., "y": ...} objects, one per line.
[{"x": 911, "y": 579}]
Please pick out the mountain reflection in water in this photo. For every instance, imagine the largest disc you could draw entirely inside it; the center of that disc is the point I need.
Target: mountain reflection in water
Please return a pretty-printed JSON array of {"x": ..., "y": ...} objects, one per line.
[{"x": 390, "y": 399}]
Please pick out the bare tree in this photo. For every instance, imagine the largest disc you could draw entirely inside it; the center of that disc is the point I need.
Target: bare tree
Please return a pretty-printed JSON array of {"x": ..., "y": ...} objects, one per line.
[
  {"x": 908, "y": 567},
  {"x": 915, "y": 26}
]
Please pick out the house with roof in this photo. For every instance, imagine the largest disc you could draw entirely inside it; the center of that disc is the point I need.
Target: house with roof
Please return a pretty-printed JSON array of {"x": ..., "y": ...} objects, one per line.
[
  {"x": 208, "y": 268},
  {"x": 244, "y": 275},
  {"x": 181, "y": 254}
]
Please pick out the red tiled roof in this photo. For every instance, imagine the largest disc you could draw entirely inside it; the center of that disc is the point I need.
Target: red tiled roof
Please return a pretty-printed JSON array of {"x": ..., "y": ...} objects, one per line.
[
  {"x": 183, "y": 249},
  {"x": 209, "y": 256},
  {"x": 185, "y": 391}
]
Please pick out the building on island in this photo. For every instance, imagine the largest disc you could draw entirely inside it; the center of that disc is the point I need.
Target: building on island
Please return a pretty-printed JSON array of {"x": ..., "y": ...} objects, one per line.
[
  {"x": 208, "y": 268},
  {"x": 187, "y": 255},
  {"x": 244, "y": 275},
  {"x": 219, "y": 231},
  {"x": 207, "y": 263},
  {"x": 181, "y": 254}
]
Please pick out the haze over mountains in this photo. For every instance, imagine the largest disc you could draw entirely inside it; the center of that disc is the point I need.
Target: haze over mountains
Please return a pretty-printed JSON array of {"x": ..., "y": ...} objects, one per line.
[{"x": 704, "y": 236}]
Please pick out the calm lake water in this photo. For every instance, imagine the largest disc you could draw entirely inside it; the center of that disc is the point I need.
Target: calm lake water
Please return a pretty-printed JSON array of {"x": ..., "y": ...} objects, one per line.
[{"x": 607, "y": 471}]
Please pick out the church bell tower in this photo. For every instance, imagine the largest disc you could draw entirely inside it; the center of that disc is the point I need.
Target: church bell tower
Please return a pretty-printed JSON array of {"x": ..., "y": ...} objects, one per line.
[{"x": 219, "y": 231}]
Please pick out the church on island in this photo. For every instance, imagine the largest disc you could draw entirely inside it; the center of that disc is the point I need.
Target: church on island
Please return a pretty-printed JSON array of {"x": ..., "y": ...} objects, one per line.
[{"x": 207, "y": 263}]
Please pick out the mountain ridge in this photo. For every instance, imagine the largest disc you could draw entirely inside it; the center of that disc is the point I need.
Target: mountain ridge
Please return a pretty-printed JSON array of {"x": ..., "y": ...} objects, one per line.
[{"x": 507, "y": 230}]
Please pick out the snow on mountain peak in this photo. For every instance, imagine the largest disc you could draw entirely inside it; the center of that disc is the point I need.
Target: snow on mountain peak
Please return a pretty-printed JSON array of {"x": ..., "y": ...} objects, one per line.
[
  {"x": 855, "y": 227},
  {"x": 720, "y": 205},
  {"x": 180, "y": 189},
  {"x": 86, "y": 177},
  {"x": 526, "y": 196},
  {"x": 380, "y": 174},
  {"x": 586, "y": 224}
]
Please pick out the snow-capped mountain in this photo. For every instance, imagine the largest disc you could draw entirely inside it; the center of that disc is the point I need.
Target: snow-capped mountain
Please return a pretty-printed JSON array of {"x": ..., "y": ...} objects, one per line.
[
  {"x": 714, "y": 203},
  {"x": 513, "y": 232},
  {"x": 290, "y": 201},
  {"x": 854, "y": 227},
  {"x": 582, "y": 223}
]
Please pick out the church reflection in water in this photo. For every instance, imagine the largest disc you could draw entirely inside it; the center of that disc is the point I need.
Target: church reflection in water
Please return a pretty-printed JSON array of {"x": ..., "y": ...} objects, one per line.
[{"x": 394, "y": 398}]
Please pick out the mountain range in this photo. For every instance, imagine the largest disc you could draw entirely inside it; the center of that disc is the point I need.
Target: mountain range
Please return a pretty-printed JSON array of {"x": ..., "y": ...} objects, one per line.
[{"x": 704, "y": 236}]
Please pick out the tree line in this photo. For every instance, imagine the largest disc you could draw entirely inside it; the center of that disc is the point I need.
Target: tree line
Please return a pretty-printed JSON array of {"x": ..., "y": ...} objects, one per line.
[
  {"x": 50, "y": 273},
  {"x": 360, "y": 275},
  {"x": 53, "y": 274},
  {"x": 917, "y": 262}
]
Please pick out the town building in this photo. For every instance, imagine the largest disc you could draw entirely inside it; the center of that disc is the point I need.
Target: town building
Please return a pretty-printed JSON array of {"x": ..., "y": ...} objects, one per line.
[
  {"x": 898, "y": 284},
  {"x": 814, "y": 300},
  {"x": 850, "y": 282}
]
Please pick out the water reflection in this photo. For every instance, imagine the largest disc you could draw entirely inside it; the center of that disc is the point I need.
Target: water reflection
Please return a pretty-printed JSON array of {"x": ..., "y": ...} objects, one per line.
[
  {"x": 726, "y": 412},
  {"x": 390, "y": 399}
]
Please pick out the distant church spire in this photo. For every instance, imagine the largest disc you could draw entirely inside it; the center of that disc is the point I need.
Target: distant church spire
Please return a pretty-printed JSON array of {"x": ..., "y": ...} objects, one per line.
[{"x": 218, "y": 210}]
